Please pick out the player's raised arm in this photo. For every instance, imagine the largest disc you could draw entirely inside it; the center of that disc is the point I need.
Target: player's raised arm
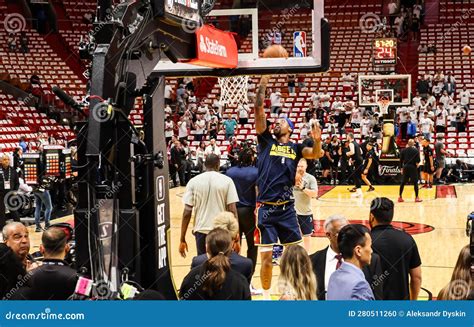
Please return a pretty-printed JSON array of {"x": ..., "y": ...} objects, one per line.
[
  {"x": 260, "y": 117},
  {"x": 316, "y": 151}
]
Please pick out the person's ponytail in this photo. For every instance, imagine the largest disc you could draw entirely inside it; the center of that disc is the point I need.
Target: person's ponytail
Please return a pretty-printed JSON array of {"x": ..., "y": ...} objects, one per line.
[
  {"x": 216, "y": 271},
  {"x": 219, "y": 247}
]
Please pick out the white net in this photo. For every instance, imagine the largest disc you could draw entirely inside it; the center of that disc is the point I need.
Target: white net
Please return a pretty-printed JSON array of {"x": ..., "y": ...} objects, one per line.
[
  {"x": 383, "y": 105},
  {"x": 234, "y": 89}
]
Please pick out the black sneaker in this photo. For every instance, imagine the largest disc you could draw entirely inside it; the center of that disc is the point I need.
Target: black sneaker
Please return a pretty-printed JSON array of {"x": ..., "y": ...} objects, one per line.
[{"x": 38, "y": 229}]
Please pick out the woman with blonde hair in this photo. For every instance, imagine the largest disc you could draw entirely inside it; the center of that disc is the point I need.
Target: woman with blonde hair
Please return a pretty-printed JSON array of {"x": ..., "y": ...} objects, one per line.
[
  {"x": 226, "y": 220},
  {"x": 297, "y": 280},
  {"x": 460, "y": 287}
]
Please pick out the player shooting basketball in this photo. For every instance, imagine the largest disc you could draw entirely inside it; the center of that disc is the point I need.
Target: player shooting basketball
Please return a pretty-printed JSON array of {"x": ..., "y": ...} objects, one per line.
[{"x": 277, "y": 162}]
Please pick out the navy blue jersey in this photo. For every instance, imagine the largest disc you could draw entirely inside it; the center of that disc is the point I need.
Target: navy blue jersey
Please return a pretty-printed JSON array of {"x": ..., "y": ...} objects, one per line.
[
  {"x": 276, "y": 168},
  {"x": 245, "y": 180}
]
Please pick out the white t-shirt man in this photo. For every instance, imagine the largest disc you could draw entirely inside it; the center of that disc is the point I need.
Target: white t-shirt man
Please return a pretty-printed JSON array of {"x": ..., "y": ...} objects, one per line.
[
  {"x": 356, "y": 117},
  {"x": 441, "y": 117},
  {"x": 169, "y": 126},
  {"x": 200, "y": 126},
  {"x": 392, "y": 8},
  {"x": 431, "y": 101},
  {"x": 182, "y": 129},
  {"x": 445, "y": 100},
  {"x": 325, "y": 98},
  {"x": 426, "y": 125},
  {"x": 365, "y": 126},
  {"x": 168, "y": 91},
  {"x": 465, "y": 97},
  {"x": 213, "y": 149},
  {"x": 315, "y": 99},
  {"x": 275, "y": 99},
  {"x": 168, "y": 110},
  {"x": 402, "y": 114},
  {"x": 417, "y": 101},
  {"x": 243, "y": 110},
  {"x": 209, "y": 194}
]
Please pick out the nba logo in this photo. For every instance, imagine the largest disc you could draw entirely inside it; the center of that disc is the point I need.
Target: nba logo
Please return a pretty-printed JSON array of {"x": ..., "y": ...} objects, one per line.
[{"x": 299, "y": 44}]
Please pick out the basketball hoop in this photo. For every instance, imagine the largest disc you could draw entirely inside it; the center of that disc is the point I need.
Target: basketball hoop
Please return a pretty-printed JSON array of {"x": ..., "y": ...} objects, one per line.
[
  {"x": 234, "y": 89},
  {"x": 383, "y": 105}
]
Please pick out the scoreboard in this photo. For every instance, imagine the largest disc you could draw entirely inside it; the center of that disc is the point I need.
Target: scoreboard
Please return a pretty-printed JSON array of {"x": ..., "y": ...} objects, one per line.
[
  {"x": 385, "y": 51},
  {"x": 185, "y": 9}
]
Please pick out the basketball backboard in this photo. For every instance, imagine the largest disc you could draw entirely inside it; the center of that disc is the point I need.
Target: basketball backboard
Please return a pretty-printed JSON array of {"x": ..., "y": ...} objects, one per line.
[
  {"x": 374, "y": 88},
  {"x": 297, "y": 25}
]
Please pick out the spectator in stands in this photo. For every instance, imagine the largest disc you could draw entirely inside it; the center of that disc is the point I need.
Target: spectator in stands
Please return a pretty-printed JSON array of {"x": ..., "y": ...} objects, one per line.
[
  {"x": 243, "y": 110},
  {"x": 432, "y": 48},
  {"x": 54, "y": 279},
  {"x": 168, "y": 94},
  {"x": 9, "y": 184},
  {"x": 426, "y": 126},
  {"x": 183, "y": 128},
  {"x": 244, "y": 176},
  {"x": 297, "y": 280},
  {"x": 200, "y": 127},
  {"x": 22, "y": 144},
  {"x": 392, "y": 11},
  {"x": 227, "y": 221},
  {"x": 325, "y": 100},
  {"x": 178, "y": 160},
  {"x": 212, "y": 148},
  {"x": 441, "y": 118},
  {"x": 11, "y": 42},
  {"x": 348, "y": 82},
  {"x": 422, "y": 87},
  {"x": 276, "y": 102},
  {"x": 24, "y": 42},
  {"x": 169, "y": 129},
  {"x": 450, "y": 84},
  {"x": 411, "y": 128},
  {"x": 233, "y": 151},
  {"x": 18, "y": 159},
  {"x": 465, "y": 97},
  {"x": 229, "y": 125},
  {"x": 209, "y": 194},
  {"x": 423, "y": 48},
  {"x": 213, "y": 127},
  {"x": 398, "y": 251},
  {"x": 201, "y": 156},
  {"x": 461, "y": 285},
  {"x": 291, "y": 83},
  {"x": 218, "y": 280}
]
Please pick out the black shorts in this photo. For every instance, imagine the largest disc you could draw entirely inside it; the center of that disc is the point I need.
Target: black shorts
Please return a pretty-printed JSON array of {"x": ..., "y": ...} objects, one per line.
[
  {"x": 410, "y": 174},
  {"x": 277, "y": 224},
  {"x": 325, "y": 163},
  {"x": 427, "y": 168},
  {"x": 306, "y": 224}
]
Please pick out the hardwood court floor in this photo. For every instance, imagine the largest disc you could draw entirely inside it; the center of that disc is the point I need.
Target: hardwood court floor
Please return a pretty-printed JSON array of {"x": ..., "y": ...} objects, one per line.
[{"x": 438, "y": 247}]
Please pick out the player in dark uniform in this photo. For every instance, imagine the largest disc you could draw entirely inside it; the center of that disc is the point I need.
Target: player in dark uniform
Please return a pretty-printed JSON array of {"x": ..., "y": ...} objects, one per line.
[
  {"x": 428, "y": 168},
  {"x": 369, "y": 161},
  {"x": 277, "y": 160},
  {"x": 409, "y": 162}
]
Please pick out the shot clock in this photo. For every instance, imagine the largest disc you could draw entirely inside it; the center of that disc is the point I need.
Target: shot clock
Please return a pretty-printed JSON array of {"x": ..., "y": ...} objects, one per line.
[
  {"x": 52, "y": 160},
  {"x": 65, "y": 163},
  {"x": 385, "y": 51},
  {"x": 31, "y": 168}
]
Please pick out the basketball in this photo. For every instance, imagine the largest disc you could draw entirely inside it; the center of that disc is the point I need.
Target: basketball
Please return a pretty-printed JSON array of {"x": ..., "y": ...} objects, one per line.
[
  {"x": 275, "y": 51},
  {"x": 466, "y": 50}
]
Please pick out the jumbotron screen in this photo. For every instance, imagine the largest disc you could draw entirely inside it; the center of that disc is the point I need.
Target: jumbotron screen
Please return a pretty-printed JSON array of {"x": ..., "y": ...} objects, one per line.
[{"x": 187, "y": 9}]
